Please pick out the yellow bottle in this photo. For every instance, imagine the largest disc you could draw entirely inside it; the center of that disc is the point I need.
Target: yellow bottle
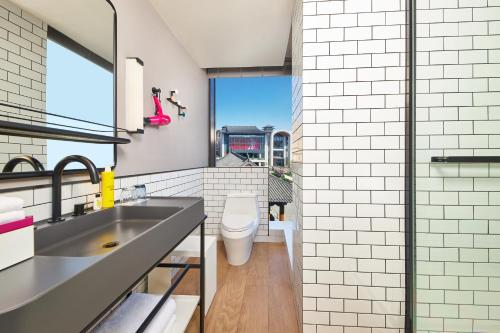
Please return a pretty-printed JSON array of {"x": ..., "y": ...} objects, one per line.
[{"x": 108, "y": 188}]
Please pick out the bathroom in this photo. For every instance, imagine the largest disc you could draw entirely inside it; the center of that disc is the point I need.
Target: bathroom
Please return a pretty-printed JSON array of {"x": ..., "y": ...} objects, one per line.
[{"x": 394, "y": 146}]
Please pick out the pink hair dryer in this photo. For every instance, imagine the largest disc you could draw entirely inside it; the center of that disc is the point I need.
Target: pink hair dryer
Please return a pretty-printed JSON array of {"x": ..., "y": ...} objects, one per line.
[{"x": 159, "y": 119}]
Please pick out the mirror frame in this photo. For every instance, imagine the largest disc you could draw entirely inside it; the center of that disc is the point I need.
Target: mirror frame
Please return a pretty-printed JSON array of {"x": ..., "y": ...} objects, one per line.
[{"x": 49, "y": 173}]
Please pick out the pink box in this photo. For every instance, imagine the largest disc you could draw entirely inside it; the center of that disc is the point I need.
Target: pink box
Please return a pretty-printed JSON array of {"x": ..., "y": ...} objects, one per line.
[
  {"x": 17, "y": 242},
  {"x": 11, "y": 226}
]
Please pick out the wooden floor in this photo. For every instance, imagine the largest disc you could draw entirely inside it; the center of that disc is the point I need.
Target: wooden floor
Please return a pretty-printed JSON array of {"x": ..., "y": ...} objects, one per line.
[{"x": 253, "y": 298}]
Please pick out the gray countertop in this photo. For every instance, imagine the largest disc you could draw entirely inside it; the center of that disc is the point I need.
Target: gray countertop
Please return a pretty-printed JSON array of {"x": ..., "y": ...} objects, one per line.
[{"x": 29, "y": 290}]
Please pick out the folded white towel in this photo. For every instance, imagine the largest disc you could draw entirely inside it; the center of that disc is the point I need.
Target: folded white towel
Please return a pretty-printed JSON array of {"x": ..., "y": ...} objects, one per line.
[
  {"x": 170, "y": 325},
  {"x": 12, "y": 216},
  {"x": 163, "y": 317},
  {"x": 129, "y": 316},
  {"x": 9, "y": 204}
]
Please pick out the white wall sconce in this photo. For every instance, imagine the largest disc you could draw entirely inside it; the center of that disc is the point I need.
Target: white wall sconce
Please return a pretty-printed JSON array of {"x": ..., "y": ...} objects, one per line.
[{"x": 134, "y": 95}]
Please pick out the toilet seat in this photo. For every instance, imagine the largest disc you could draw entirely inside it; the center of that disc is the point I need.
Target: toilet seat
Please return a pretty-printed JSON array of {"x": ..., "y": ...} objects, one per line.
[{"x": 238, "y": 222}]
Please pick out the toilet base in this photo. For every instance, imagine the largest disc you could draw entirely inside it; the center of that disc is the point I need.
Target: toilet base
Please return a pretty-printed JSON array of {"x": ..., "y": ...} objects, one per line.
[{"x": 238, "y": 250}]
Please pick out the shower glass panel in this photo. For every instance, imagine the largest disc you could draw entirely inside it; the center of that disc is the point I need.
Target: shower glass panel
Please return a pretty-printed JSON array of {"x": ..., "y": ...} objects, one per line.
[{"x": 457, "y": 203}]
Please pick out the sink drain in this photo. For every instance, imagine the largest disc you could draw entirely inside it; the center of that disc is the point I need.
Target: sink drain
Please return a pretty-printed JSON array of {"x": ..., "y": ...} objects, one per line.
[{"x": 110, "y": 244}]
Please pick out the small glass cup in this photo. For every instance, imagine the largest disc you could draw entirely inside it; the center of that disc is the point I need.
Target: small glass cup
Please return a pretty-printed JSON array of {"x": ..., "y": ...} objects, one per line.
[
  {"x": 128, "y": 195},
  {"x": 141, "y": 193}
]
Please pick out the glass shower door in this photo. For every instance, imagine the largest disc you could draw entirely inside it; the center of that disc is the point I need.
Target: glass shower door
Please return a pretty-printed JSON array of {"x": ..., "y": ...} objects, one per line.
[{"x": 457, "y": 178}]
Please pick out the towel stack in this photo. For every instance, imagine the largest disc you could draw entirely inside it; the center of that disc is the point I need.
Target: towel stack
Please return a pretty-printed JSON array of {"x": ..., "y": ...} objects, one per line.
[
  {"x": 129, "y": 316},
  {"x": 11, "y": 209}
]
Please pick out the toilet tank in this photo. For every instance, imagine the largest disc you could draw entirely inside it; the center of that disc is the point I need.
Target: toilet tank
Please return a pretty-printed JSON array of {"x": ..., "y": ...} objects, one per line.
[{"x": 241, "y": 204}]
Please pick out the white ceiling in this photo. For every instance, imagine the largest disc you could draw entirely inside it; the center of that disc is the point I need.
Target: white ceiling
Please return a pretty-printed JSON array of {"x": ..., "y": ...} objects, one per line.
[
  {"x": 230, "y": 33},
  {"x": 88, "y": 22}
]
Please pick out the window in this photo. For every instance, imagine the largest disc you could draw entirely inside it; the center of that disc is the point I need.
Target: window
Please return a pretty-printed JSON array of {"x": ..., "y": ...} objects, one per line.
[{"x": 249, "y": 110}]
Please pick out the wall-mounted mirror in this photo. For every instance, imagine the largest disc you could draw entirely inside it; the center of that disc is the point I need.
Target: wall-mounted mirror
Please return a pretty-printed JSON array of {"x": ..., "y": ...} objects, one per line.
[{"x": 57, "y": 58}]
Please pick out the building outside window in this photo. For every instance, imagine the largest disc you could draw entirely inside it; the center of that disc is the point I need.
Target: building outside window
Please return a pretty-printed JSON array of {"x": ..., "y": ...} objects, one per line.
[
  {"x": 248, "y": 142},
  {"x": 281, "y": 149}
]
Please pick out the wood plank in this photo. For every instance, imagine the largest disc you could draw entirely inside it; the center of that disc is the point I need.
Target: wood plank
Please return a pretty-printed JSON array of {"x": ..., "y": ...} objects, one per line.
[
  {"x": 279, "y": 265},
  {"x": 257, "y": 266},
  {"x": 282, "y": 314},
  {"x": 254, "y": 315},
  {"x": 228, "y": 302},
  {"x": 254, "y": 298},
  {"x": 190, "y": 284}
]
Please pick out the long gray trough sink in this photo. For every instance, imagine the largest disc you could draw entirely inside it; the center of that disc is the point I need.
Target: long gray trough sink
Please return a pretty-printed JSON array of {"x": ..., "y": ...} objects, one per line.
[{"x": 84, "y": 265}]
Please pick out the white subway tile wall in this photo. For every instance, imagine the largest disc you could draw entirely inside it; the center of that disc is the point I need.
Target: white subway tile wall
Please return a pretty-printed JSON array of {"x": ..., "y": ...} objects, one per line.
[
  {"x": 213, "y": 184},
  {"x": 299, "y": 36},
  {"x": 457, "y": 205},
  {"x": 218, "y": 182},
  {"x": 23, "y": 51},
  {"x": 349, "y": 164},
  {"x": 38, "y": 201}
]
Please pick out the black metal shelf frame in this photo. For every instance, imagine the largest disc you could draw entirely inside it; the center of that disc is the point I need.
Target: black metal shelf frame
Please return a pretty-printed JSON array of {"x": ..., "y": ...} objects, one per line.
[{"x": 184, "y": 270}]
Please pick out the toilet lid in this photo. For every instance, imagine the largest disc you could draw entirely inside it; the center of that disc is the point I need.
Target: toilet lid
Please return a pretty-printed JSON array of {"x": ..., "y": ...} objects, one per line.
[{"x": 237, "y": 222}]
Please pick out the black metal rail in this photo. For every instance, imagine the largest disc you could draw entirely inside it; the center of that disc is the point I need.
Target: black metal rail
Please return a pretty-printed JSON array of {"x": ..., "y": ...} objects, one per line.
[
  {"x": 465, "y": 159},
  {"x": 43, "y": 132},
  {"x": 168, "y": 293}
]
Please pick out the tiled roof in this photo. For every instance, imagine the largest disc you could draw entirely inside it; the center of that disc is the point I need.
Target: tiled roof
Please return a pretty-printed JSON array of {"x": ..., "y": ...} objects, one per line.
[
  {"x": 241, "y": 130},
  {"x": 234, "y": 160},
  {"x": 280, "y": 190}
]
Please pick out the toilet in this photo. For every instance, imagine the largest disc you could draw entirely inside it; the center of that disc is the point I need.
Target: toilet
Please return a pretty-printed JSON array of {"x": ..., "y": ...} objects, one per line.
[{"x": 240, "y": 222}]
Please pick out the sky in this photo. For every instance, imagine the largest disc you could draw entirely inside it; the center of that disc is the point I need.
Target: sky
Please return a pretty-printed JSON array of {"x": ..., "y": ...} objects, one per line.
[
  {"x": 255, "y": 101},
  {"x": 84, "y": 92}
]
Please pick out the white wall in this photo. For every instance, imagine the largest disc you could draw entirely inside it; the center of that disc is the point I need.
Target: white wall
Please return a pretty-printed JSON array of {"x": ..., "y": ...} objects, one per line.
[
  {"x": 141, "y": 33},
  {"x": 458, "y": 206},
  {"x": 183, "y": 144},
  {"x": 352, "y": 130}
]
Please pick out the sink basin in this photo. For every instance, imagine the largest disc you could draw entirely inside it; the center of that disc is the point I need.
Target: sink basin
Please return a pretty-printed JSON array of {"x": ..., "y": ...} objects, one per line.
[{"x": 99, "y": 233}]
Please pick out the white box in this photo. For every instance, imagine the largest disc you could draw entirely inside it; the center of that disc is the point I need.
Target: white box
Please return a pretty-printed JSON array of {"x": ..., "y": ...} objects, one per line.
[
  {"x": 16, "y": 246},
  {"x": 190, "y": 247}
]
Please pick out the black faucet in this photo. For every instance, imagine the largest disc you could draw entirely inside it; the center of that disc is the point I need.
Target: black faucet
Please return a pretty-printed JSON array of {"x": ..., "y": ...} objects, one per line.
[
  {"x": 36, "y": 164},
  {"x": 56, "y": 181}
]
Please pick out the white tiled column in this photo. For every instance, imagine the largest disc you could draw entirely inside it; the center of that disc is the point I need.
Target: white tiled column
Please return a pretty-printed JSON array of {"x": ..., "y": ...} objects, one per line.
[
  {"x": 296, "y": 157},
  {"x": 352, "y": 127},
  {"x": 458, "y": 210}
]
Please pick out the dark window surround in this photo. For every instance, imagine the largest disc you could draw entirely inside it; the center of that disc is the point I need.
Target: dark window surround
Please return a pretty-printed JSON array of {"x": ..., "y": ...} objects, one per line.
[
  {"x": 72, "y": 45},
  {"x": 410, "y": 263},
  {"x": 211, "y": 123}
]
